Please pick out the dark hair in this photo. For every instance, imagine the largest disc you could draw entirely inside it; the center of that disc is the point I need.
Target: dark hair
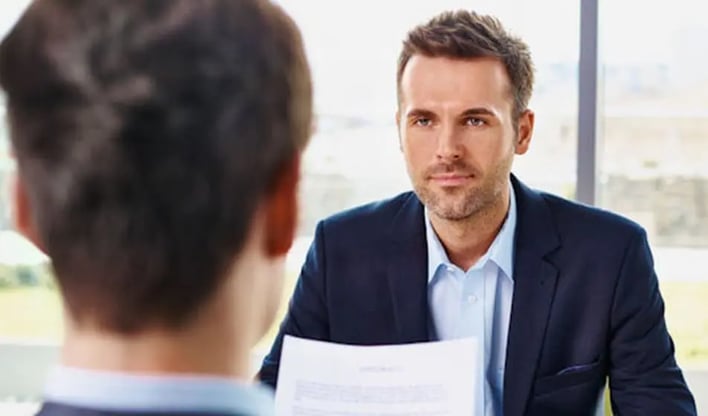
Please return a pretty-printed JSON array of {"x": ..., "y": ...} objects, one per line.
[
  {"x": 147, "y": 132},
  {"x": 467, "y": 35}
]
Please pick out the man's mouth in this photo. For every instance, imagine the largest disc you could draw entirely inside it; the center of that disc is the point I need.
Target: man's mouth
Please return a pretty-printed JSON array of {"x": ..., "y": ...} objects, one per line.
[{"x": 451, "y": 178}]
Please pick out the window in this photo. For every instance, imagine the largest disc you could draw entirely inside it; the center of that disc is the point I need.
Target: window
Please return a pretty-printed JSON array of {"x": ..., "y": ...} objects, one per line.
[{"x": 654, "y": 137}]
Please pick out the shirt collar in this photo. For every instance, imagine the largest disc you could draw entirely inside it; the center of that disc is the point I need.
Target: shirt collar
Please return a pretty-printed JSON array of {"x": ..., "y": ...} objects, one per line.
[
  {"x": 112, "y": 391},
  {"x": 501, "y": 251}
]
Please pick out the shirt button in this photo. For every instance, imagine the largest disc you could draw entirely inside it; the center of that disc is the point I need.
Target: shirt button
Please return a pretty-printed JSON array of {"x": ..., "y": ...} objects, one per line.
[
  {"x": 450, "y": 269},
  {"x": 471, "y": 299}
]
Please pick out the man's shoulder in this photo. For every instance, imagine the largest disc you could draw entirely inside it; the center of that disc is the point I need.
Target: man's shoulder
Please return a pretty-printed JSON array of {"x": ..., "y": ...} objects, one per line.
[
  {"x": 376, "y": 215},
  {"x": 576, "y": 217}
]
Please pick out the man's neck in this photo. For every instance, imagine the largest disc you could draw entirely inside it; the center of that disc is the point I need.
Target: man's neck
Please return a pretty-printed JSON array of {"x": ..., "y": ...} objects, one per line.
[
  {"x": 216, "y": 341},
  {"x": 466, "y": 241},
  {"x": 157, "y": 352}
]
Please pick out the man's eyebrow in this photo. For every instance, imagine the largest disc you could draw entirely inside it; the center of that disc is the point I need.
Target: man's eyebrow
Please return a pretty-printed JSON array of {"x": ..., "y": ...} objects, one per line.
[
  {"x": 478, "y": 111},
  {"x": 419, "y": 112}
]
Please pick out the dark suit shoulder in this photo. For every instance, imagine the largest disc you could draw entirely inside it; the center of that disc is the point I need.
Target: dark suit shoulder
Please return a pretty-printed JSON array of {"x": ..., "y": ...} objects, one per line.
[
  {"x": 584, "y": 220},
  {"x": 374, "y": 216}
]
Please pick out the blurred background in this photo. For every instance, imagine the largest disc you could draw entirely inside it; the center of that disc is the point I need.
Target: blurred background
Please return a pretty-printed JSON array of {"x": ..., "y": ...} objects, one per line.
[{"x": 650, "y": 165}]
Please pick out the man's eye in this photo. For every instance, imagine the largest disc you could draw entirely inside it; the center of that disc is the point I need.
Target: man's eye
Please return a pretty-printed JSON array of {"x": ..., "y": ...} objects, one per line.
[
  {"x": 474, "y": 121},
  {"x": 422, "y": 122}
]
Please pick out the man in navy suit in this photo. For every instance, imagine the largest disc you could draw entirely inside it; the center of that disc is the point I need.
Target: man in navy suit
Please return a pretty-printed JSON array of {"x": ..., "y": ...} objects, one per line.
[
  {"x": 158, "y": 146},
  {"x": 560, "y": 296}
]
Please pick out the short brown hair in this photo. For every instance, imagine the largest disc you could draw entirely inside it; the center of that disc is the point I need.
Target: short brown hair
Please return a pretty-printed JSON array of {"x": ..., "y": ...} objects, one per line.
[
  {"x": 147, "y": 133},
  {"x": 466, "y": 35}
]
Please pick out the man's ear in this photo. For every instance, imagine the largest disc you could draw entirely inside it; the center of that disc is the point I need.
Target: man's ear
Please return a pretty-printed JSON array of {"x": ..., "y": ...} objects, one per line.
[
  {"x": 525, "y": 131},
  {"x": 22, "y": 212},
  {"x": 398, "y": 129},
  {"x": 282, "y": 210}
]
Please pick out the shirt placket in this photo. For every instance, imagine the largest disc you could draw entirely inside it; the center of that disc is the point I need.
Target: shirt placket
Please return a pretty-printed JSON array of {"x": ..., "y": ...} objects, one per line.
[{"x": 472, "y": 324}]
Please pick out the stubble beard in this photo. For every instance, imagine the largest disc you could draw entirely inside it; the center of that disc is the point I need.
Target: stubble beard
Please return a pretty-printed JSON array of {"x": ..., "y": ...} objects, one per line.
[{"x": 462, "y": 204}]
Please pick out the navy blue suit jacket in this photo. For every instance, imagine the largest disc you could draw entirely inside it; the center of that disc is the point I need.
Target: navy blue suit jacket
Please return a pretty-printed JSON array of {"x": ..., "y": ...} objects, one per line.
[{"x": 586, "y": 303}]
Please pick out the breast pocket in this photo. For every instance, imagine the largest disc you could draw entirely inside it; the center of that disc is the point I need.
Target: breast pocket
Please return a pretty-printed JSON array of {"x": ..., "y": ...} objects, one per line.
[{"x": 569, "y": 377}]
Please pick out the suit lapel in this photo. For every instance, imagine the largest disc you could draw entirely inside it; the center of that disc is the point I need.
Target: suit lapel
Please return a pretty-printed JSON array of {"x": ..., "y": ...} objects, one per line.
[
  {"x": 534, "y": 287},
  {"x": 407, "y": 272}
]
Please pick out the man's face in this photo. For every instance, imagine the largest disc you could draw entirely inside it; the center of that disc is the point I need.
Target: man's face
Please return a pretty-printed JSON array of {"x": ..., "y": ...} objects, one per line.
[{"x": 457, "y": 133}]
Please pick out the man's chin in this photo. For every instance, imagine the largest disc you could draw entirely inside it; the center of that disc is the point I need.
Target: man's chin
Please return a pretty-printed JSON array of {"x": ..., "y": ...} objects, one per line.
[
  {"x": 451, "y": 212},
  {"x": 448, "y": 203},
  {"x": 451, "y": 215}
]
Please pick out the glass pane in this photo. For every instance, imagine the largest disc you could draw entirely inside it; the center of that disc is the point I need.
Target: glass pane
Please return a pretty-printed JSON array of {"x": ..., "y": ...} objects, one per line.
[{"x": 655, "y": 147}]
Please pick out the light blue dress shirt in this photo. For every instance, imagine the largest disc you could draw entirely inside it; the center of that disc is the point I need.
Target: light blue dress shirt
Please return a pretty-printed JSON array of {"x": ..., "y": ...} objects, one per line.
[
  {"x": 123, "y": 392},
  {"x": 476, "y": 303}
]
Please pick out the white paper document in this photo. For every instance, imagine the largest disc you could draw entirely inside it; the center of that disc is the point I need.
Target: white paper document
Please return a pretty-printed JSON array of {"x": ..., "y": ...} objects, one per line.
[{"x": 426, "y": 379}]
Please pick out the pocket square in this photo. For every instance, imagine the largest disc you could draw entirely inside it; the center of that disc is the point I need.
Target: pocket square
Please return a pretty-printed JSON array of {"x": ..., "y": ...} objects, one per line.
[{"x": 575, "y": 369}]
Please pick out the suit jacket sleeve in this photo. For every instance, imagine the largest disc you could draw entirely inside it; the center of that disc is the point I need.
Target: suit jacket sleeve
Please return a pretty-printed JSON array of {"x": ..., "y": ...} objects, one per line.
[
  {"x": 644, "y": 377},
  {"x": 307, "y": 311}
]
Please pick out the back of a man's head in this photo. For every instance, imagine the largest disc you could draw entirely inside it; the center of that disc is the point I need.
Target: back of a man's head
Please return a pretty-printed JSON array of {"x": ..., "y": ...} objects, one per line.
[{"x": 148, "y": 133}]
